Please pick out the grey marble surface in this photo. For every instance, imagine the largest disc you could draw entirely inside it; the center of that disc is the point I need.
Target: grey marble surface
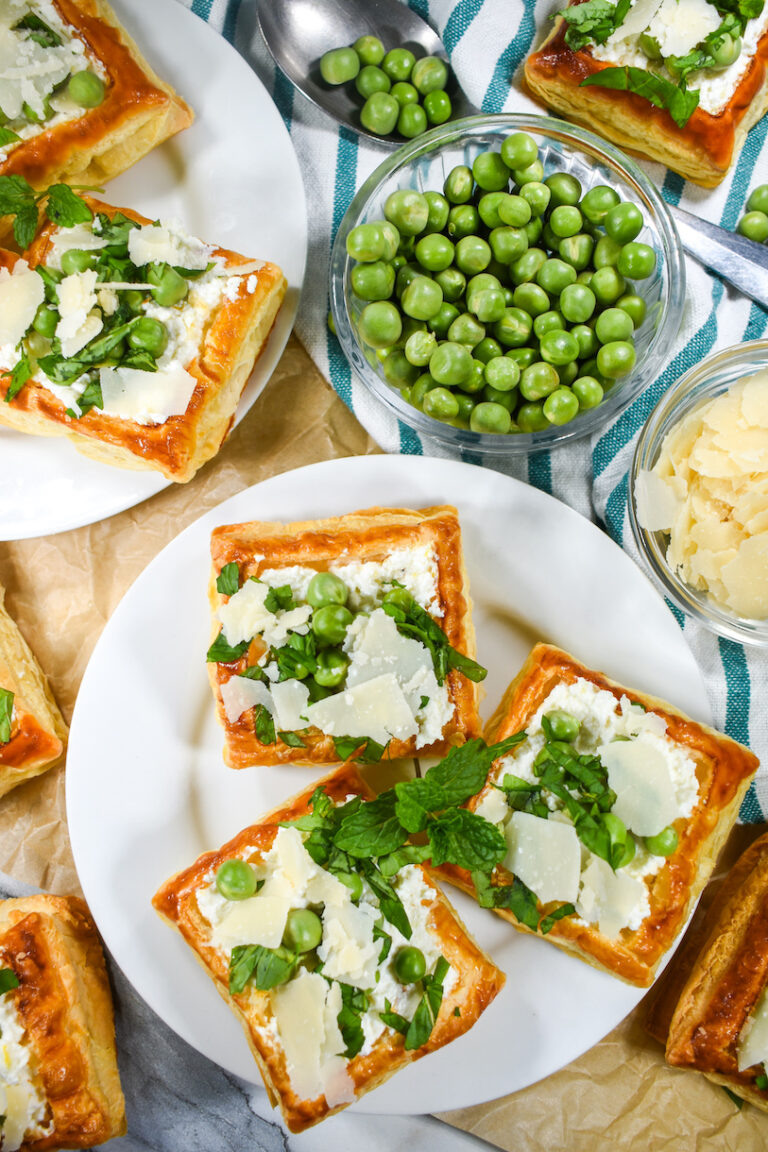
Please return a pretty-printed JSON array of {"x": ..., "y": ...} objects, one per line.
[{"x": 178, "y": 1101}]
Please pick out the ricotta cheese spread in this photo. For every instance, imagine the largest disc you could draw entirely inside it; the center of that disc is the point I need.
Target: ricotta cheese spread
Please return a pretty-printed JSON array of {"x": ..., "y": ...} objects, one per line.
[{"x": 22, "y": 1102}]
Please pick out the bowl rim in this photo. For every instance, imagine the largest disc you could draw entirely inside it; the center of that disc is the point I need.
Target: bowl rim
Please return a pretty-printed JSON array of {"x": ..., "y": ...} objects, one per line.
[
  {"x": 519, "y": 443},
  {"x": 752, "y": 356}
]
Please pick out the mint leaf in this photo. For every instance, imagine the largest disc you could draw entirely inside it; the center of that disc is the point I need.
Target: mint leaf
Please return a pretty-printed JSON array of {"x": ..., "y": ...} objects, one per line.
[
  {"x": 278, "y": 599},
  {"x": 412, "y": 812},
  {"x": 264, "y": 967},
  {"x": 19, "y": 376},
  {"x": 463, "y": 838},
  {"x": 228, "y": 580},
  {"x": 220, "y": 652},
  {"x": 16, "y": 193},
  {"x": 361, "y": 748},
  {"x": 592, "y": 22},
  {"x": 6, "y": 714},
  {"x": 517, "y": 792},
  {"x": 354, "y": 1006},
  {"x": 373, "y": 830},
  {"x": 8, "y": 137},
  {"x": 298, "y": 658},
  {"x": 515, "y": 898},
  {"x": 386, "y": 941},
  {"x": 292, "y": 739},
  {"x": 90, "y": 397},
  {"x": 547, "y": 923},
  {"x": 8, "y": 980},
  {"x": 414, "y": 621},
  {"x": 25, "y": 225},
  {"x": 65, "y": 208},
  {"x": 394, "y": 1019},
  {"x": 264, "y": 724},
  {"x": 678, "y": 101},
  {"x": 426, "y": 1013},
  {"x": 411, "y": 854},
  {"x": 391, "y": 905}
]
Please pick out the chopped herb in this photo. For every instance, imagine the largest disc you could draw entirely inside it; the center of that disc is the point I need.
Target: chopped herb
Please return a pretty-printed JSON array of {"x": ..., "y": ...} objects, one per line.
[
  {"x": 354, "y": 1003},
  {"x": 515, "y": 897},
  {"x": 90, "y": 397},
  {"x": 264, "y": 967},
  {"x": 426, "y": 1013},
  {"x": 19, "y": 376},
  {"x": 737, "y": 1100},
  {"x": 592, "y": 22},
  {"x": 298, "y": 658},
  {"x": 416, "y": 622},
  {"x": 373, "y": 830},
  {"x": 18, "y": 199},
  {"x": 292, "y": 739},
  {"x": 38, "y": 31},
  {"x": 386, "y": 941},
  {"x": 423, "y": 702},
  {"x": 460, "y": 837},
  {"x": 65, "y": 208},
  {"x": 761, "y": 1083},
  {"x": 394, "y": 1019},
  {"x": 392, "y": 908},
  {"x": 278, "y": 599},
  {"x": 255, "y": 672},
  {"x": 220, "y": 652},
  {"x": 228, "y": 580},
  {"x": 264, "y": 724},
  {"x": 8, "y": 980},
  {"x": 6, "y": 714},
  {"x": 457, "y": 1011},
  {"x": 677, "y": 100},
  {"x": 547, "y": 923},
  {"x": 8, "y": 137},
  {"x": 410, "y": 854},
  {"x": 360, "y": 748}
]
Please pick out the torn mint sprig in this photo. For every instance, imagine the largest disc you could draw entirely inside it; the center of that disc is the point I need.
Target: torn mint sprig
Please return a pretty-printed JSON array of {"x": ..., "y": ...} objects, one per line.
[{"x": 62, "y": 206}]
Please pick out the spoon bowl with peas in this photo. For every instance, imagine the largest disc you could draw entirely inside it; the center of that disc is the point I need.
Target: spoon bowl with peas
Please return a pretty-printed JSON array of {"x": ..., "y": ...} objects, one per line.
[{"x": 299, "y": 33}]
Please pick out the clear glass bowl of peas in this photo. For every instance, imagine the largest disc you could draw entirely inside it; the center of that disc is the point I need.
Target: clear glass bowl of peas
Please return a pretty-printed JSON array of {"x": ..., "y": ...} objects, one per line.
[{"x": 534, "y": 297}]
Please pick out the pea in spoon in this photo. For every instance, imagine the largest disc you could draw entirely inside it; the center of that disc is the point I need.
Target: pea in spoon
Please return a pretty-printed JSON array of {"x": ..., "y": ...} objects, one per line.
[{"x": 298, "y": 32}]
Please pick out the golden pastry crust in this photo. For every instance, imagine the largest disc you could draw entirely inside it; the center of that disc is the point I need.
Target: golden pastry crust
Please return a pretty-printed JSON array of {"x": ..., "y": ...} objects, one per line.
[
  {"x": 478, "y": 981},
  {"x": 724, "y": 770},
  {"x": 702, "y": 151},
  {"x": 38, "y": 731},
  {"x": 138, "y": 112},
  {"x": 64, "y": 1004},
  {"x": 364, "y": 536},
  {"x": 727, "y": 978},
  {"x": 178, "y": 447}
]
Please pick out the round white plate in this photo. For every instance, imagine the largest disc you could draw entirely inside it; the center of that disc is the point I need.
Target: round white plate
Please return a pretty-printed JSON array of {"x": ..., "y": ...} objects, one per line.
[
  {"x": 234, "y": 180},
  {"x": 147, "y": 790}
]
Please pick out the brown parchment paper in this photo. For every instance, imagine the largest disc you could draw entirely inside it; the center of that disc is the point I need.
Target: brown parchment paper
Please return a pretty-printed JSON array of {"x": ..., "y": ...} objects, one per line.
[{"x": 62, "y": 589}]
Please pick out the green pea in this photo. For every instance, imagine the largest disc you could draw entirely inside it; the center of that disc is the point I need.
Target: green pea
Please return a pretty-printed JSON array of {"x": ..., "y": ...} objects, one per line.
[
  {"x": 76, "y": 260},
  {"x": 519, "y": 150},
  {"x": 758, "y": 199},
  {"x": 410, "y": 965},
  {"x": 371, "y": 79},
  {"x": 458, "y": 185},
  {"x": 587, "y": 341},
  {"x": 134, "y": 301},
  {"x": 419, "y": 390},
  {"x": 473, "y": 254},
  {"x": 373, "y": 281},
  {"x": 438, "y": 212},
  {"x": 412, "y": 121},
  {"x": 422, "y": 298},
  {"x": 405, "y": 276},
  {"x": 588, "y": 392},
  {"x": 623, "y": 222},
  {"x": 549, "y": 321},
  {"x": 514, "y": 210},
  {"x": 450, "y": 363},
  {"x": 597, "y": 202},
  {"x": 438, "y": 108},
  {"x": 558, "y": 347},
  {"x": 475, "y": 381},
  {"x": 565, "y": 188},
  {"x": 531, "y": 298},
  {"x": 369, "y": 242},
  {"x": 370, "y": 49},
  {"x": 567, "y": 373},
  {"x": 725, "y": 51},
  {"x": 565, "y": 220},
  {"x": 453, "y": 283},
  {"x": 429, "y": 74},
  {"x": 490, "y": 418},
  {"x": 419, "y": 348},
  {"x": 490, "y": 172},
  {"x": 502, "y": 373},
  {"x": 534, "y": 230},
  {"x": 577, "y": 250},
  {"x": 45, "y": 321},
  {"x": 664, "y": 843},
  {"x": 303, "y": 930},
  {"x": 531, "y": 418},
  {"x": 379, "y": 324},
  {"x": 440, "y": 404},
  {"x": 508, "y": 400},
  {"x": 408, "y": 210},
  {"x": 440, "y": 323},
  {"x": 149, "y": 335},
  {"x": 488, "y": 349},
  {"x": 537, "y": 195},
  {"x": 527, "y": 266},
  {"x": 514, "y": 328},
  {"x": 561, "y": 406},
  {"x": 608, "y": 285},
  {"x": 650, "y": 45},
  {"x": 331, "y": 668},
  {"x": 434, "y": 252},
  {"x": 754, "y": 225},
  {"x": 404, "y": 93},
  {"x": 508, "y": 244},
  {"x": 326, "y": 588},
  {"x": 235, "y": 879},
  {"x": 379, "y": 114},
  {"x": 489, "y": 305},
  {"x": 481, "y": 282},
  {"x": 339, "y": 66},
  {"x": 36, "y": 344},
  {"x": 86, "y": 89},
  {"x": 466, "y": 330},
  {"x": 636, "y": 261},
  {"x": 577, "y": 303},
  {"x": 167, "y": 286},
  {"x": 330, "y": 623},
  {"x": 606, "y": 253},
  {"x": 538, "y": 380},
  {"x": 554, "y": 275},
  {"x": 488, "y": 208},
  {"x": 398, "y": 369},
  {"x": 466, "y": 404},
  {"x": 613, "y": 324},
  {"x": 532, "y": 174},
  {"x": 398, "y": 63},
  {"x": 616, "y": 359},
  {"x": 634, "y": 306},
  {"x": 462, "y": 221}
]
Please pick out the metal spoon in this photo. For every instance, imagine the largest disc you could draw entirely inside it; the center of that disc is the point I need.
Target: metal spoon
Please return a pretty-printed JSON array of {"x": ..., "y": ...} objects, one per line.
[{"x": 298, "y": 32}]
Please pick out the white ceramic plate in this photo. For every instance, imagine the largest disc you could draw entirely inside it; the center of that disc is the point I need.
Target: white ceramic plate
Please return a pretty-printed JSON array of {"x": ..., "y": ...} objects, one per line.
[
  {"x": 234, "y": 180},
  {"x": 147, "y": 790}
]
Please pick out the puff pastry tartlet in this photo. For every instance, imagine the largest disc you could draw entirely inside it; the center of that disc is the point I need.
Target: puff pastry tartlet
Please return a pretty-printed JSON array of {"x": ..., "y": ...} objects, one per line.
[
  {"x": 696, "y": 110},
  {"x": 131, "y": 337},
  {"x": 347, "y": 634},
  {"x": 713, "y": 1008},
  {"x": 33, "y": 734},
  {"x": 322, "y": 1041},
  {"x": 614, "y": 806},
  {"x": 87, "y": 105},
  {"x": 59, "y": 1083}
]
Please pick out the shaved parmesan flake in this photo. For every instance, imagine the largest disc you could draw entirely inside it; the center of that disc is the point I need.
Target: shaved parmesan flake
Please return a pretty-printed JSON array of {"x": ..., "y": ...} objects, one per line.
[
  {"x": 21, "y": 294},
  {"x": 752, "y": 1046},
  {"x": 545, "y": 855},
  {"x": 167, "y": 243},
  {"x": 146, "y": 397},
  {"x": 640, "y": 775},
  {"x": 376, "y": 708},
  {"x": 291, "y": 698},
  {"x": 257, "y": 920},
  {"x": 612, "y": 900},
  {"x": 715, "y": 462},
  {"x": 239, "y": 694}
]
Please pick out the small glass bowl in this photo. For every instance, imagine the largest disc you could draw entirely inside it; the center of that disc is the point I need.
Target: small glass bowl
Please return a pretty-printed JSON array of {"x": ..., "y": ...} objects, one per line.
[
  {"x": 707, "y": 380},
  {"x": 423, "y": 164}
]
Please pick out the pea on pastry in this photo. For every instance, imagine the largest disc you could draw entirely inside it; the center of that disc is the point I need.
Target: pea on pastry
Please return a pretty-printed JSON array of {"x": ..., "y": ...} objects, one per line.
[
  {"x": 614, "y": 807},
  {"x": 345, "y": 636}
]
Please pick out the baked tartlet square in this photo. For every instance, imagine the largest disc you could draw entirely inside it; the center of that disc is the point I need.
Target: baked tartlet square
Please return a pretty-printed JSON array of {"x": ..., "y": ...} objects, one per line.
[
  {"x": 165, "y": 406},
  {"x": 612, "y": 832},
  {"x": 317, "y": 1031},
  {"x": 62, "y": 1088},
  {"x": 402, "y": 685},
  {"x": 33, "y": 734}
]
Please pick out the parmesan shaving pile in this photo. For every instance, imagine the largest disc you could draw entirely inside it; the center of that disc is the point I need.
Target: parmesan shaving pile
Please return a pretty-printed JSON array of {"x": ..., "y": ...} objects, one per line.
[{"x": 709, "y": 491}]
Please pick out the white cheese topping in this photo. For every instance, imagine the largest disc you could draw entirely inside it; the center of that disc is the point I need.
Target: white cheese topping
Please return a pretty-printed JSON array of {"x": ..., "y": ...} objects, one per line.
[
  {"x": 22, "y": 1101},
  {"x": 612, "y": 900},
  {"x": 146, "y": 397},
  {"x": 21, "y": 294},
  {"x": 378, "y": 708},
  {"x": 245, "y": 616},
  {"x": 545, "y": 854},
  {"x": 167, "y": 243},
  {"x": 752, "y": 1045}
]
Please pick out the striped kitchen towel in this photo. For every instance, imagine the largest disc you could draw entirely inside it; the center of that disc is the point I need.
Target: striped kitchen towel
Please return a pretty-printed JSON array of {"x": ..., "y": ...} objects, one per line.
[{"x": 487, "y": 41}]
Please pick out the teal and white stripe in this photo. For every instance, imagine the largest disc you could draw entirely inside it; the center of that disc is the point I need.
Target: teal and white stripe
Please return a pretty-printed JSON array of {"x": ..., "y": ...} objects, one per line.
[{"x": 487, "y": 41}]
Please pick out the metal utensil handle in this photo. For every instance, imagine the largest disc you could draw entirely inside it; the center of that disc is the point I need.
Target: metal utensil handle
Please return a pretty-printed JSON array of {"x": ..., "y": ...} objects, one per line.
[{"x": 743, "y": 262}]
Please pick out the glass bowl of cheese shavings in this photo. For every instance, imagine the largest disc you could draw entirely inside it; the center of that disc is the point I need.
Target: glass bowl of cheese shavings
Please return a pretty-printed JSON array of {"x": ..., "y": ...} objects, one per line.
[{"x": 698, "y": 493}]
